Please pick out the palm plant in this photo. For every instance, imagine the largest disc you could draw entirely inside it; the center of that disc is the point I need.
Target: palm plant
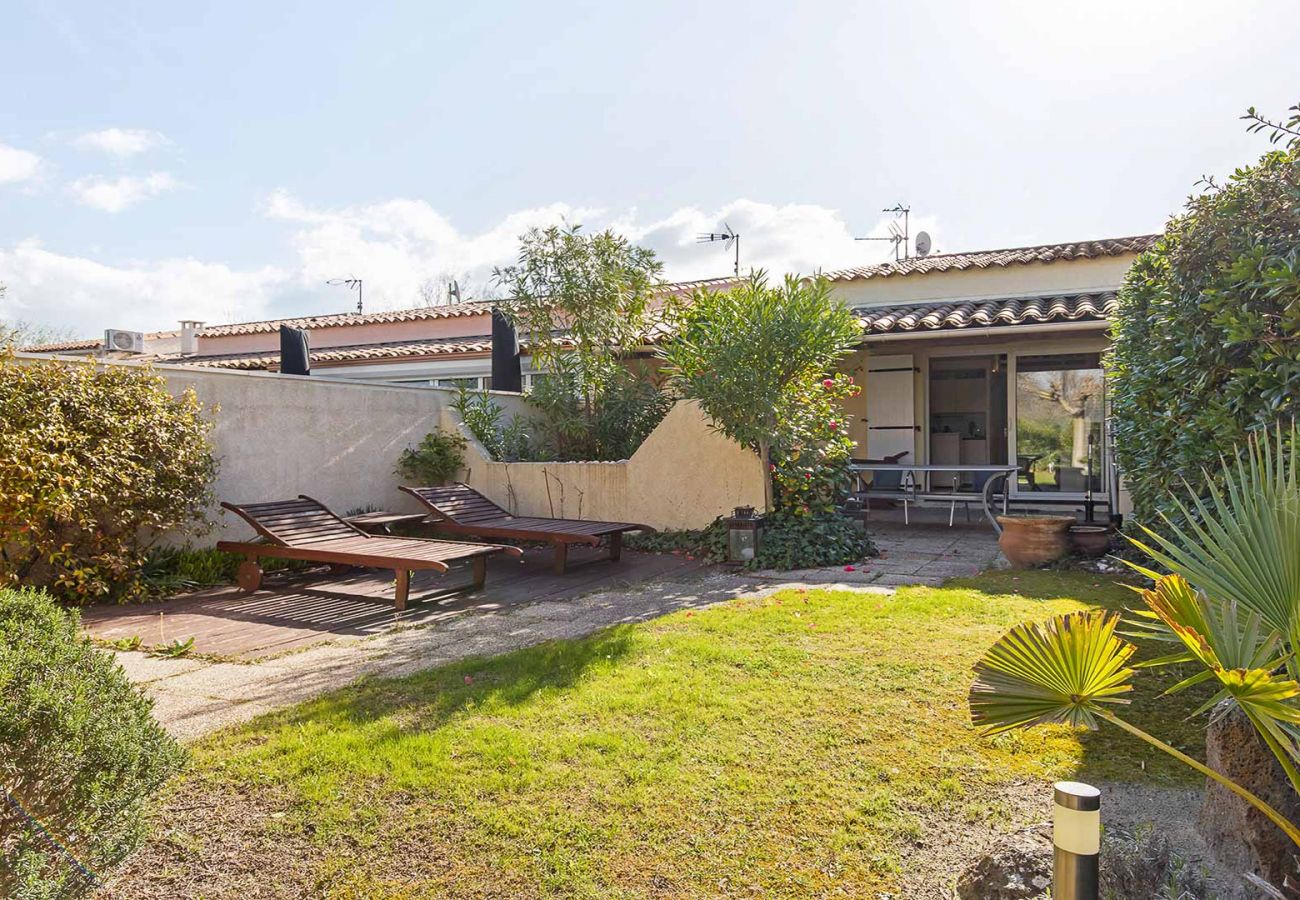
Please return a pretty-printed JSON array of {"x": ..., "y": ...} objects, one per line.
[
  {"x": 1231, "y": 599},
  {"x": 1068, "y": 670}
]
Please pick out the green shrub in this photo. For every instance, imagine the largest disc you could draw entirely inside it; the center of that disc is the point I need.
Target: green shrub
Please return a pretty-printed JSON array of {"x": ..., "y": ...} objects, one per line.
[
  {"x": 170, "y": 570},
  {"x": 439, "y": 456},
  {"x": 80, "y": 753},
  {"x": 812, "y": 448},
  {"x": 607, "y": 417},
  {"x": 808, "y": 542},
  {"x": 1205, "y": 348},
  {"x": 707, "y": 544},
  {"x": 93, "y": 463},
  {"x": 789, "y": 542},
  {"x": 482, "y": 416}
]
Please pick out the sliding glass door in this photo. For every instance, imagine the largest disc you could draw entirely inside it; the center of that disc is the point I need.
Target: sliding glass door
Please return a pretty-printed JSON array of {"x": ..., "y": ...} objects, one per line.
[{"x": 1059, "y": 423}]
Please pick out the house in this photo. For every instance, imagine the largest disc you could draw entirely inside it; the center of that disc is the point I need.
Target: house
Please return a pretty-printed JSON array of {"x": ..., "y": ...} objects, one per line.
[
  {"x": 444, "y": 346},
  {"x": 991, "y": 357}
]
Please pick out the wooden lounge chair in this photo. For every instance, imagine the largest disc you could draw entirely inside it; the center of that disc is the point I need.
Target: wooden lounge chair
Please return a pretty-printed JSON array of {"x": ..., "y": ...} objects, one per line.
[
  {"x": 306, "y": 529},
  {"x": 460, "y": 509}
]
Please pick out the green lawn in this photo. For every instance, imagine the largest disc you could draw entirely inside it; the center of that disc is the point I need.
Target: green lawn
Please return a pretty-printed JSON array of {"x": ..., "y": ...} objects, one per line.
[{"x": 796, "y": 745}]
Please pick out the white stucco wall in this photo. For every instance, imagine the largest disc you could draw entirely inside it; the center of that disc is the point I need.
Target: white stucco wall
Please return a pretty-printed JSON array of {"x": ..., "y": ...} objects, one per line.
[{"x": 1074, "y": 276}]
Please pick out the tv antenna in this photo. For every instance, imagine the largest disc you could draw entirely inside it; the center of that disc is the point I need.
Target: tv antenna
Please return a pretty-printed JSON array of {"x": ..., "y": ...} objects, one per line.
[
  {"x": 897, "y": 236},
  {"x": 729, "y": 239},
  {"x": 453, "y": 291},
  {"x": 351, "y": 283}
]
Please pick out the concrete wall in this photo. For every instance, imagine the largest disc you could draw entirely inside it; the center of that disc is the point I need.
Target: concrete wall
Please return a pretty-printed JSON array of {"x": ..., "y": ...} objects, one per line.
[
  {"x": 684, "y": 476},
  {"x": 277, "y": 436}
]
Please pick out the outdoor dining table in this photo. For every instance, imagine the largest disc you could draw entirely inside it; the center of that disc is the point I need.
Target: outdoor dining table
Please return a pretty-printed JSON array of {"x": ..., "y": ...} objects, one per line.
[{"x": 908, "y": 489}]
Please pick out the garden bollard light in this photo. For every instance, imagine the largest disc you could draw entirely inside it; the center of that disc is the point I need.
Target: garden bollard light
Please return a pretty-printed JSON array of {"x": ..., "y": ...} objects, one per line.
[{"x": 1076, "y": 839}]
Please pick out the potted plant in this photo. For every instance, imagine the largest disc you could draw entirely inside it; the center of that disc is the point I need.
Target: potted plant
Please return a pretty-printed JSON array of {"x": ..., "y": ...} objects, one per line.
[{"x": 1028, "y": 541}]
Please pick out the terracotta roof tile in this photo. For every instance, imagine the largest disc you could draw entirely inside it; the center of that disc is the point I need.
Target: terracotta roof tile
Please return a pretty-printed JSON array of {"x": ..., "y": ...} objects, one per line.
[
  {"x": 416, "y": 314},
  {"x": 90, "y": 343},
  {"x": 986, "y": 313},
  {"x": 337, "y": 320},
  {"x": 984, "y": 259},
  {"x": 270, "y": 359}
]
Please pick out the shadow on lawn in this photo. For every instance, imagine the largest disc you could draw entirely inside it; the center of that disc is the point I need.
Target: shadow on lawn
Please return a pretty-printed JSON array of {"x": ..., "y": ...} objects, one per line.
[
  {"x": 429, "y": 699},
  {"x": 1109, "y": 590}
]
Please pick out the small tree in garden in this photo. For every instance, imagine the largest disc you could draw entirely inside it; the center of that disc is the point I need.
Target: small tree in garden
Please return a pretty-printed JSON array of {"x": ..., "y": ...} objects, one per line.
[
  {"x": 580, "y": 302},
  {"x": 757, "y": 357},
  {"x": 1205, "y": 337},
  {"x": 93, "y": 463}
]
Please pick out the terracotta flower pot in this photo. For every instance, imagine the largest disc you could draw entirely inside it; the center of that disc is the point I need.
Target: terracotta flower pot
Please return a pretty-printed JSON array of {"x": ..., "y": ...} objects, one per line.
[
  {"x": 1028, "y": 541},
  {"x": 1090, "y": 540}
]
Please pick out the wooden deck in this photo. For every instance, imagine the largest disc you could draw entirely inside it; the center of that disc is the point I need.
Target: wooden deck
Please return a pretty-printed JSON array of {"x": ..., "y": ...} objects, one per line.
[{"x": 295, "y": 610}]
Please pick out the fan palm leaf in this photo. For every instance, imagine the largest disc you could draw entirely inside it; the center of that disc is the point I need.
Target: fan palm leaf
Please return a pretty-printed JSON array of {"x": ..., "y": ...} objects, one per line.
[
  {"x": 1055, "y": 671},
  {"x": 1240, "y": 544},
  {"x": 1068, "y": 669}
]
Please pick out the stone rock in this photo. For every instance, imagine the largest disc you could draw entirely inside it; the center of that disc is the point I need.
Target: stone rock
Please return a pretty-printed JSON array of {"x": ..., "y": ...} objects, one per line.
[
  {"x": 1240, "y": 837},
  {"x": 1018, "y": 867}
]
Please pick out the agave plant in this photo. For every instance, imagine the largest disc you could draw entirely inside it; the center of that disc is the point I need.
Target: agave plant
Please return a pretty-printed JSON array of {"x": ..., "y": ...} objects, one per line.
[{"x": 1070, "y": 670}]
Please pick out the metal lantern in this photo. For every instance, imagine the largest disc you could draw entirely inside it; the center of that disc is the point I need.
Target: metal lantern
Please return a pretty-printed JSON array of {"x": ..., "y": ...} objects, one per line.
[{"x": 744, "y": 535}]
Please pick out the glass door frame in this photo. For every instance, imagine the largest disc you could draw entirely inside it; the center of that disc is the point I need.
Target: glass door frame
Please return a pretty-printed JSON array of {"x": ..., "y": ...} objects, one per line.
[{"x": 1013, "y": 421}]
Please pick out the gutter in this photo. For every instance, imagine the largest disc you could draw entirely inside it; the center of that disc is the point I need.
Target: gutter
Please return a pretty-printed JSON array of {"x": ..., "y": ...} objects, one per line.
[{"x": 988, "y": 331}]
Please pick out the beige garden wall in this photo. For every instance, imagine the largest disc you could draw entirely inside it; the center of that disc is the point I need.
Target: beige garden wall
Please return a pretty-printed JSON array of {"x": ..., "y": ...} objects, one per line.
[
  {"x": 684, "y": 476},
  {"x": 276, "y": 436}
]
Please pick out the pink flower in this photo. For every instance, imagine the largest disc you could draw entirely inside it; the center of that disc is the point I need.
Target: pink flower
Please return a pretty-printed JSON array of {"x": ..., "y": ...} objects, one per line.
[
  {"x": 834, "y": 424},
  {"x": 850, "y": 379},
  {"x": 808, "y": 475},
  {"x": 469, "y": 679},
  {"x": 850, "y": 569},
  {"x": 771, "y": 467},
  {"x": 828, "y": 383}
]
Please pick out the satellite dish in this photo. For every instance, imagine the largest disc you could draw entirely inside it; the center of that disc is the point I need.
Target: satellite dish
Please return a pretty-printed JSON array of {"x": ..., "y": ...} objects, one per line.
[{"x": 922, "y": 243}]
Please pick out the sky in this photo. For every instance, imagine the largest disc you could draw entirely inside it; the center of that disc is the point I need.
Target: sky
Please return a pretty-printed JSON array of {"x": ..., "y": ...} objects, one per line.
[{"x": 223, "y": 161}]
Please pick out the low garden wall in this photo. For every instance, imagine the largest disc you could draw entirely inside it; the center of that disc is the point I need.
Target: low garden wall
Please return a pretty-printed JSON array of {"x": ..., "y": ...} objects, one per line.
[
  {"x": 684, "y": 475},
  {"x": 276, "y": 436}
]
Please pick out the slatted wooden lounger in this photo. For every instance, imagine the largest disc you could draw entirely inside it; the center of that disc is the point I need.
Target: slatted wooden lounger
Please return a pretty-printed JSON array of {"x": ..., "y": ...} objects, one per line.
[
  {"x": 460, "y": 509},
  {"x": 306, "y": 529}
]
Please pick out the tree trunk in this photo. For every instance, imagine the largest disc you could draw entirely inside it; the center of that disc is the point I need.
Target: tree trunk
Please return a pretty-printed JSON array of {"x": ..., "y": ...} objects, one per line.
[
  {"x": 764, "y": 456},
  {"x": 1241, "y": 837}
]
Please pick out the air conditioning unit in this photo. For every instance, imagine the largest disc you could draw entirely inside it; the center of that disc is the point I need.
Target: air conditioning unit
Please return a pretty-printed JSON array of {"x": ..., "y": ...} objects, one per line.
[{"x": 123, "y": 341}]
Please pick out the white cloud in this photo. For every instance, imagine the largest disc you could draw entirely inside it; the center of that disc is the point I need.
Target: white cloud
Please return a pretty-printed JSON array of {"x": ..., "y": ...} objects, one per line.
[
  {"x": 395, "y": 246},
  {"x": 17, "y": 165},
  {"x": 87, "y": 296},
  {"x": 117, "y": 194},
  {"x": 121, "y": 142}
]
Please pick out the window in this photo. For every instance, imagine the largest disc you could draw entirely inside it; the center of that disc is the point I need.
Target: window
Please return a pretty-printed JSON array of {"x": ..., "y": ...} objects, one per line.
[
  {"x": 469, "y": 381},
  {"x": 1059, "y": 415}
]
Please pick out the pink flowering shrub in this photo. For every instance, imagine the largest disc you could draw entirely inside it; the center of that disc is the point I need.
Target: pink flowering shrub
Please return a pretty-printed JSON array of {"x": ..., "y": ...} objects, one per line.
[{"x": 811, "y": 453}]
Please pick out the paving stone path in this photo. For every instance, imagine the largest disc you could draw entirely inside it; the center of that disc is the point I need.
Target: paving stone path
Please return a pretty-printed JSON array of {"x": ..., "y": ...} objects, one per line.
[{"x": 195, "y": 696}]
